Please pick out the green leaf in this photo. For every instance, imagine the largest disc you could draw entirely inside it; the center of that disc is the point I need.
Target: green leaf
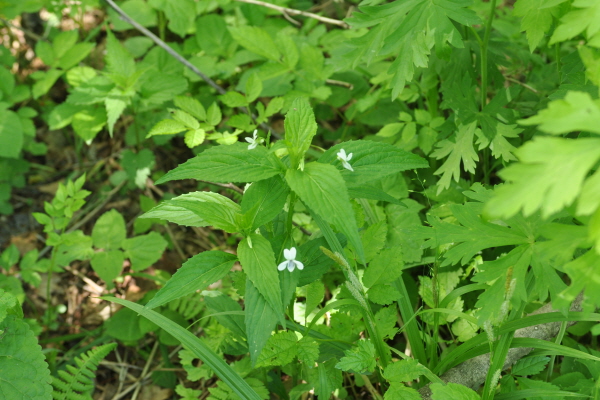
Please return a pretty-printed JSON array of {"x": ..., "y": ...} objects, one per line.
[
  {"x": 10, "y": 256},
  {"x": 213, "y": 115},
  {"x": 88, "y": 122},
  {"x": 576, "y": 112},
  {"x": 11, "y": 134},
  {"x": 258, "y": 261},
  {"x": 108, "y": 264},
  {"x": 577, "y": 21},
  {"x": 460, "y": 149},
  {"x": 383, "y": 294},
  {"x": 198, "y": 347},
  {"x": 322, "y": 189},
  {"x": 360, "y": 359},
  {"x": 227, "y": 312},
  {"x": 281, "y": 349},
  {"x": 404, "y": 371},
  {"x": 257, "y": 40},
  {"x": 325, "y": 378},
  {"x": 74, "y": 55},
  {"x": 386, "y": 267},
  {"x": 166, "y": 127},
  {"x": 308, "y": 350},
  {"x": 191, "y": 106},
  {"x": 530, "y": 366},
  {"x": 118, "y": 60},
  {"x": 536, "y": 184},
  {"x": 386, "y": 320},
  {"x": 274, "y": 106},
  {"x": 373, "y": 239},
  {"x": 25, "y": 374},
  {"x": 264, "y": 200},
  {"x": 398, "y": 391},
  {"x": 194, "y": 137},
  {"x": 371, "y": 161},
  {"x": 212, "y": 35},
  {"x": 300, "y": 128},
  {"x": 584, "y": 275},
  {"x": 217, "y": 210},
  {"x": 234, "y": 99},
  {"x": 44, "y": 81},
  {"x": 185, "y": 118},
  {"x": 176, "y": 210},
  {"x": 139, "y": 10},
  {"x": 195, "y": 274},
  {"x": 315, "y": 292},
  {"x": 452, "y": 391},
  {"x": 143, "y": 251},
  {"x": 537, "y": 19},
  {"x": 260, "y": 320},
  {"x": 109, "y": 230},
  {"x": 254, "y": 87},
  {"x": 233, "y": 163},
  {"x": 180, "y": 14}
]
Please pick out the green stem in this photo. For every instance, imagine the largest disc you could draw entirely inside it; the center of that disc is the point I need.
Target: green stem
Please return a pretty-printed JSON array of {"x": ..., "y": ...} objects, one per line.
[
  {"x": 484, "y": 55},
  {"x": 436, "y": 301},
  {"x": 290, "y": 216},
  {"x": 559, "y": 338}
]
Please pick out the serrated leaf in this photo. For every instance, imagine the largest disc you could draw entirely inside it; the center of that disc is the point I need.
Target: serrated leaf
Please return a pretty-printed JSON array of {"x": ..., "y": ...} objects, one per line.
[
  {"x": 109, "y": 231},
  {"x": 228, "y": 312},
  {"x": 323, "y": 190},
  {"x": 530, "y": 366},
  {"x": 385, "y": 267},
  {"x": 274, "y": 106},
  {"x": 233, "y": 99},
  {"x": 185, "y": 118},
  {"x": 386, "y": 320},
  {"x": 360, "y": 359},
  {"x": 576, "y": 112},
  {"x": 325, "y": 378},
  {"x": 118, "y": 60},
  {"x": 371, "y": 160},
  {"x": 143, "y": 251},
  {"x": 213, "y": 114},
  {"x": 191, "y": 106},
  {"x": 180, "y": 14},
  {"x": 108, "y": 264},
  {"x": 217, "y": 210},
  {"x": 536, "y": 21},
  {"x": 373, "y": 239},
  {"x": 281, "y": 349},
  {"x": 25, "y": 374},
  {"x": 258, "y": 261},
  {"x": 260, "y": 320},
  {"x": 585, "y": 18},
  {"x": 194, "y": 137},
  {"x": 459, "y": 150},
  {"x": 264, "y": 200},
  {"x": 257, "y": 40},
  {"x": 404, "y": 371},
  {"x": 195, "y": 274},
  {"x": 166, "y": 127},
  {"x": 536, "y": 184},
  {"x": 300, "y": 128},
  {"x": 452, "y": 391},
  {"x": 398, "y": 391},
  {"x": 383, "y": 294},
  {"x": 308, "y": 351},
  {"x": 234, "y": 163},
  {"x": 315, "y": 292}
]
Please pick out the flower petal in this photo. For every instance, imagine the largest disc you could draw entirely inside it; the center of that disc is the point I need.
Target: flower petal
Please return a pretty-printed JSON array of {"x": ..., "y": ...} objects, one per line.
[
  {"x": 292, "y": 253},
  {"x": 291, "y": 265},
  {"x": 282, "y": 266},
  {"x": 249, "y": 140},
  {"x": 299, "y": 265}
]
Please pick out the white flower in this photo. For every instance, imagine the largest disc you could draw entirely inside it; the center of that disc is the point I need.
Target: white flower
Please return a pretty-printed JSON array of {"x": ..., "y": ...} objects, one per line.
[
  {"x": 290, "y": 262},
  {"x": 344, "y": 159},
  {"x": 254, "y": 141}
]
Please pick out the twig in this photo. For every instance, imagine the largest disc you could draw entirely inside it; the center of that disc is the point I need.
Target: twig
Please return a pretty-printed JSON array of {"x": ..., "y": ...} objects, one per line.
[
  {"x": 291, "y": 11},
  {"x": 226, "y": 185},
  {"x": 145, "y": 371},
  {"x": 182, "y": 60},
  {"x": 472, "y": 373},
  {"x": 339, "y": 83},
  {"x": 518, "y": 82},
  {"x": 27, "y": 32}
]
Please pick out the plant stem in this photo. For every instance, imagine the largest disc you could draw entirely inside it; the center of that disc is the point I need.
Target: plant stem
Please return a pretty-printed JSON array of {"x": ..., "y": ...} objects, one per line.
[{"x": 484, "y": 56}]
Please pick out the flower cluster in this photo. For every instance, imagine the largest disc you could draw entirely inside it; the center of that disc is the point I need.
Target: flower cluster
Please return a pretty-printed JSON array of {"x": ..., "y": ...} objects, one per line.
[
  {"x": 254, "y": 141},
  {"x": 344, "y": 159}
]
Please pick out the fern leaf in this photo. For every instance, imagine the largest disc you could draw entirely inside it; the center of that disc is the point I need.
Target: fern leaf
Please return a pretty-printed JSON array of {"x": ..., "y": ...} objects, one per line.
[{"x": 77, "y": 383}]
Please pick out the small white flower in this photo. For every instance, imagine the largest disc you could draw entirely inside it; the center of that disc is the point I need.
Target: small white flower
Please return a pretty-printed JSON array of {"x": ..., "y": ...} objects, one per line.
[
  {"x": 290, "y": 262},
  {"x": 254, "y": 141},
  {"x": 344, "y": 159}
]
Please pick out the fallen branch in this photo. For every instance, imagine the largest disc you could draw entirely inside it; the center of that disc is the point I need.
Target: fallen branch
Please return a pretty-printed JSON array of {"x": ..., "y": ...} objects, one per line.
[
  {"x": 472, "y": 373},
  {"x": 290, "y": 11}
]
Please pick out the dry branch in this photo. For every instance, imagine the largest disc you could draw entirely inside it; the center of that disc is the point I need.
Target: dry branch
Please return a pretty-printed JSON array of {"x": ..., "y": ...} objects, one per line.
[{"x": 290, "y": 11}]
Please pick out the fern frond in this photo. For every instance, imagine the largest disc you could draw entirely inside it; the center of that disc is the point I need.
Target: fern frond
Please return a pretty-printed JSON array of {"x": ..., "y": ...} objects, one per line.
[
  {"x": 190, "y": 306},
  {"x": 78, "y": 382}
]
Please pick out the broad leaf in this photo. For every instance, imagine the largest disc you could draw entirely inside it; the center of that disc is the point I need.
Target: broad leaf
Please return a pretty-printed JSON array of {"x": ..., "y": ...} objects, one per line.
[
  {"x": 234, "y": 163},
  {"x": 109, "y": 231},
  {"x": 323, "y": 190},
  {"x": 386, "y": 267},
  {"x": 260, "y": 320},
  {"x": 263, "y": 200},
  {"x": 453, "y": 391},
  {"x": 108, "y": 264},
  {"x": 300, "y": 128},
  {"x": 195, "y": 274},
  {"x": 404, "y": 371},
  {"x": 257, "y": 40},
  {"x": 371, "y": 161},
  {"x": 258, "y": 261},
  {"x": 281, "y": 349},
  {"x": 143, "y": 251},
  {"x": 360, "y": 359},
  {"x": 215, "y": 209}
]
